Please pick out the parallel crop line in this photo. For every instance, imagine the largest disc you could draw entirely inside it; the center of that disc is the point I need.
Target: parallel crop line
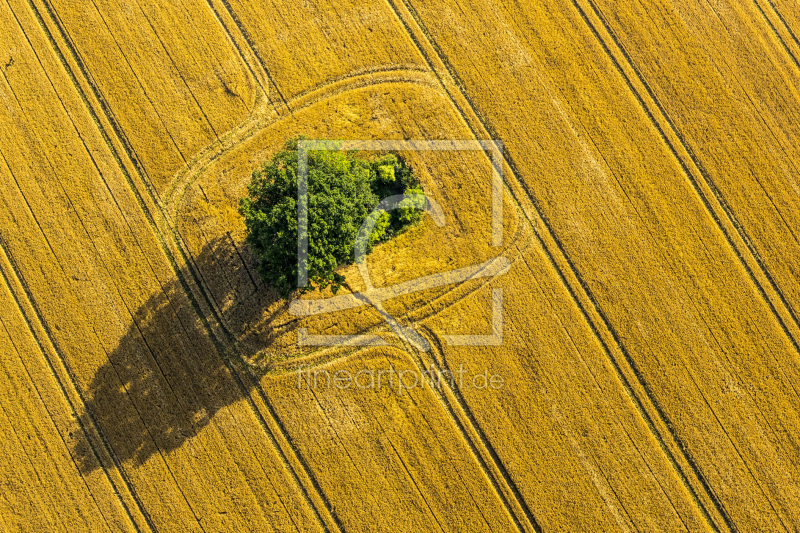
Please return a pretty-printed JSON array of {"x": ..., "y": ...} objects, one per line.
[
  {"x": 480, "y": 446},
  {"x": 242, "y": 45},
  {"x": 30, "y": 300},
  {"x": 94, "y": 93},
  {"x": 413, "y": 481},
  {"x": 709, "y": 194},
  {"x": 39, "y": 500},
  {"x": 190, "y": 178},
  {"x": 93, "y": 100},
  {"x": 627, "y": 372},
  {"x": 135, "y": 74},
  {"x": 63, "y": 376},
  {"x": 787, "y": 48},
  {"x": 275, "y": 427},
  {"x": 142, "y": 204},
  {"x": 781, "y": 29},
  {"x": 461, "y": 416},
  {"x": 711, "y": 197},
  {"x": 260, "y": 404},
  {"x": 83, "y": 225},
  {"x": 262, "y": 118},
  {"x": 177, "y": 70},
  {"x": 303, "y": 100},
  {"x": 259, "y": 70}
]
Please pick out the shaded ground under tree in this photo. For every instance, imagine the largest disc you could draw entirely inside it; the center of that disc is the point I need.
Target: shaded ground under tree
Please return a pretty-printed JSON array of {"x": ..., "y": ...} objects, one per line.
[{"x": 167, "y": 377}]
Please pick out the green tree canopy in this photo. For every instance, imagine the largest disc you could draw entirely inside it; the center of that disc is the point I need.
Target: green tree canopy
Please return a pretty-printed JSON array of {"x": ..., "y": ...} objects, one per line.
[{"x": 343, "y": 189}]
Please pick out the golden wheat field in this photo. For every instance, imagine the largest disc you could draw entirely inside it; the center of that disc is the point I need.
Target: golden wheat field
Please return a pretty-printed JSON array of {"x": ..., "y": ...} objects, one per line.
[{"x": 607, "y": 304}]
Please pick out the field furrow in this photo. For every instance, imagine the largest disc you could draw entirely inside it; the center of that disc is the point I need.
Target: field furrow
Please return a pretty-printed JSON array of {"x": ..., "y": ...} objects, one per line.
[
  {"x": 333, "y": 81},
  {"x": 787, "y": 15},
  {"x": 694, "y": 324},
  {"x": 312, "y": 43},
  {"x": 171, "y": 94},
  {"x": 747, "y": 147},
  {"x": 87, "y": 444},
  {"x": 149, "y": 374},
  {"x": 640, "y": 309},
  {"x": 47, "y": 425},
  {"x": 365, "y": 448},
  {"x": 522, "y": 464}
]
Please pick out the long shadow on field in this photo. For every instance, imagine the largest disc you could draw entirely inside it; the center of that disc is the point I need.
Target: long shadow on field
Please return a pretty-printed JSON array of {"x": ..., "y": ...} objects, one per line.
[{"x": 166, "y": 378}]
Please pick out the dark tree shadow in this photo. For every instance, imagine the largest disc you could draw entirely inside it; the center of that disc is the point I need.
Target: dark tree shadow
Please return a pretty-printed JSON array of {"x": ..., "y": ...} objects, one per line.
[{"x": 169, "y": 375}]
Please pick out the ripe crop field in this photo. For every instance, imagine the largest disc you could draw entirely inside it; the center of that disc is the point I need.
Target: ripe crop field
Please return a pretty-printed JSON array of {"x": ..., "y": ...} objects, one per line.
[{"x": 635, "y": 274}]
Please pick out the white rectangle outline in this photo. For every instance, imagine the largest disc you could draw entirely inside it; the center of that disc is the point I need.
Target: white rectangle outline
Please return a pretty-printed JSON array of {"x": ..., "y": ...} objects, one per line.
[{"x": 305, "y": 145}]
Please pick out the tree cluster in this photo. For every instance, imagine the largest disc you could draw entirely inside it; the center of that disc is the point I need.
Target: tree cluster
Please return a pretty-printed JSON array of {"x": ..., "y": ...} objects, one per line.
[{"x": 343, "y": 190}]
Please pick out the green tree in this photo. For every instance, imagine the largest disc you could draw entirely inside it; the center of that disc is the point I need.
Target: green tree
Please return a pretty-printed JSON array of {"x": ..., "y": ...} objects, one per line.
[{"x": 343, "y": 189}]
